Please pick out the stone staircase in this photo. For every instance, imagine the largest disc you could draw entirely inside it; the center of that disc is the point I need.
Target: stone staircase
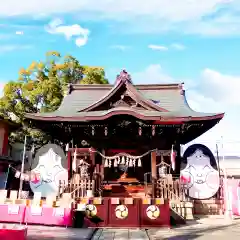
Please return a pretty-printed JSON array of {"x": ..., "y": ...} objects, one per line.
[{"x": 181, "y": 211}]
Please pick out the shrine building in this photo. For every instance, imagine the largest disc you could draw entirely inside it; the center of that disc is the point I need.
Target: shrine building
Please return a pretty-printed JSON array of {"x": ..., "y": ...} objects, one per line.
[{"x": 123, "y": 134}]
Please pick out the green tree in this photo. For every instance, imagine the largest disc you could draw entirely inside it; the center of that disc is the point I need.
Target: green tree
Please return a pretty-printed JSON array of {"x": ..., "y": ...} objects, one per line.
[{"x": 40, "y": 88}]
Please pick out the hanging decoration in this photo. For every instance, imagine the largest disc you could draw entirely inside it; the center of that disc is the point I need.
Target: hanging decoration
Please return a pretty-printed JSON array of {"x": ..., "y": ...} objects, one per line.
[
  {"x": 153, "y": 130},
  {"x": 22, "y": 176},
  {"x": 106, "y": 131},
  {"x": 140, "y": 131},
  {"x": 67, "y": 147},
  {"x": 106, "y": 163},
  {"x": 122, "y": 159},
  {"x": 127, "y": 161},
  {"x": 134, "y": 162},
  {"x": 115, "y": 162},
  {"x": 139, "y": 162},
  {"x": 17, "y": 174},
  {"x": 130, "y": 162}
]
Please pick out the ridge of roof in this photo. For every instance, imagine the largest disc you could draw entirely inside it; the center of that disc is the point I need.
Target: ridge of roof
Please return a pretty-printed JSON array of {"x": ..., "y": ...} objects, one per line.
[
  {"x": 124, "y": 79},
  {"x": 138, "y": 86}
]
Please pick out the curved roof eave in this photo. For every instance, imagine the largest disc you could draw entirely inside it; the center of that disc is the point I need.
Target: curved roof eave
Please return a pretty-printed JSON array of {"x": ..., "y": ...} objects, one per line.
[{"x": 158, "y": 119}]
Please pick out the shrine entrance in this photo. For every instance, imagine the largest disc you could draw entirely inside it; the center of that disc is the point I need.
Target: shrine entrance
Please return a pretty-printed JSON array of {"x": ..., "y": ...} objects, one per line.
[{"x": 124, "y": 172}]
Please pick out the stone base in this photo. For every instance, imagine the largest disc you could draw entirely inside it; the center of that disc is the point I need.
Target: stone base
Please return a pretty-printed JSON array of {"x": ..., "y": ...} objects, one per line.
[
  {"x": 198, "y": 208},
  {"x": 208, "y": 207},
  {"x": 185, "y": 209}
]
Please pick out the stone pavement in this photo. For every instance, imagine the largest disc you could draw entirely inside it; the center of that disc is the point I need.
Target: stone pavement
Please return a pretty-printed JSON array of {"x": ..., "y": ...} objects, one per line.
[
  {"x": 120, "y": 234},
  {"x": 203, "y": 229},
  {"x": 57, "y": 233},
  {"x": 36, "y": 232}
]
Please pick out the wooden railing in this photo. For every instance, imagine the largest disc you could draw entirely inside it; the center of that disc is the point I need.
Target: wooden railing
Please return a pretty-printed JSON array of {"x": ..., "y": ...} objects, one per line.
[
  {"x": 170, "y": 188},
  {"x": 83, "y": 188}
]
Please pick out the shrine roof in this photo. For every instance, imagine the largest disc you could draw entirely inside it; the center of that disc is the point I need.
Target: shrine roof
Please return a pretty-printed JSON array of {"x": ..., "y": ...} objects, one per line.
[{"x": 152, "y": 102}]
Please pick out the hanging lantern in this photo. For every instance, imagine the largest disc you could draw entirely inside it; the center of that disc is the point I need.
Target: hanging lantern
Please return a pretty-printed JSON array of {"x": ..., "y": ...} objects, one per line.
[
  {"x": 139, "y": 162},
  {"x": 93, "y": 131},
  {"x": 140, "y": 131},
  {"x": 130, "y": 162},
  {"x": 115, "y": 164},
  {"x": 123, "y": 160},
  {"x": 110, "y": 163},
  {"x": 106, "y": 131},
  {"x": 153, "y": 130},
  {"x": 106, "y": 163}
]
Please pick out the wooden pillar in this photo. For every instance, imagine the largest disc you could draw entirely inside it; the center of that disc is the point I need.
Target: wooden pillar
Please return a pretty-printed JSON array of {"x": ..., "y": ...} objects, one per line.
[
  {"x": 92, "y": 157},
  {"x": 154, "y": 172},
  {"x": 178, "y": 159},
  {"x": 69, "y": 159},
  {"x": 102, "y": 165}
]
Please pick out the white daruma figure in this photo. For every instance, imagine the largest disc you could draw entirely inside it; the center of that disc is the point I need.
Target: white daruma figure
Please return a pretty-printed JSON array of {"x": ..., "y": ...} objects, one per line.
[
  {"x": 200, "y": 175},
  {"x": 47, "y": 174}
]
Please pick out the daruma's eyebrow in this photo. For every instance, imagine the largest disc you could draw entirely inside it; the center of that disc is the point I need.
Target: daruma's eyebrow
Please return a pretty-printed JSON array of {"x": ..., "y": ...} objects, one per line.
[{"x": 191, "y": 166}]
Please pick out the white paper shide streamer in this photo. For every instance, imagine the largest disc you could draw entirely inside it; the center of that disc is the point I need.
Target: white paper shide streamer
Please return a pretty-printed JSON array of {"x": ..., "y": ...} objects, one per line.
[{"x": 123, "y": 159}]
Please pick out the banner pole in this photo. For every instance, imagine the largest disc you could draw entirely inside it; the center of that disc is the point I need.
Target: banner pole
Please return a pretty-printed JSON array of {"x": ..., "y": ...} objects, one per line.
[
  {"x": 22, "y": 167},
  {"x": 6, "y": 180}
]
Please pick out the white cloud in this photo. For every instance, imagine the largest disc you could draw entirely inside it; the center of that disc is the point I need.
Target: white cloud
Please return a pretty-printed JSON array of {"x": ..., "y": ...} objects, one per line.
[
  {"x": 226, "y": 87},
  {"x": 120, "y": 47},
  {"x": 154, "y": 74},
  {"x": 211, "y": 17},
  {"x": 178, "y": 46},
  {"x": 73, "y": 31},
  {"x": 201, "y": 97},
  {"x": 158, "y": 47},
  {"x": 13, "y": 47},
  {"x": 19, "y": 32}
]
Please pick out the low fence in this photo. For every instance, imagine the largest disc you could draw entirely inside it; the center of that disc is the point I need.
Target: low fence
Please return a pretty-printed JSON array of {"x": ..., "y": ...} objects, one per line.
[
  {"x": 170, "y": 188},
  {"x": 81, "y": 189},
  {"x": 126, "y": 212}
]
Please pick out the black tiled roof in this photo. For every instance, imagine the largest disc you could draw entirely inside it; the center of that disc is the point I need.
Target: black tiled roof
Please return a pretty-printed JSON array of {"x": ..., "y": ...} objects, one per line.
[{"x": 169, "y": 96}]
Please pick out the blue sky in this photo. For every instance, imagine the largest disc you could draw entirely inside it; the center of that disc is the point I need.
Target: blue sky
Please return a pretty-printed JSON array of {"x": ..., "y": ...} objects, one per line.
[{"x": 156, "y": 41}]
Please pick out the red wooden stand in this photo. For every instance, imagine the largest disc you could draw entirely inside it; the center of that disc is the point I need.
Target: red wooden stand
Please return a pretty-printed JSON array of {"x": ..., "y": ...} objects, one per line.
[{"x": 19, "y": 233}]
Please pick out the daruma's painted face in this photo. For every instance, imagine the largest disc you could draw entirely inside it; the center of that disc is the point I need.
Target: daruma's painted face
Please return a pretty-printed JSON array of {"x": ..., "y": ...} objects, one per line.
[
  {"x": 200, "y": 179},
  {"x": 47, "y": 174}
]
